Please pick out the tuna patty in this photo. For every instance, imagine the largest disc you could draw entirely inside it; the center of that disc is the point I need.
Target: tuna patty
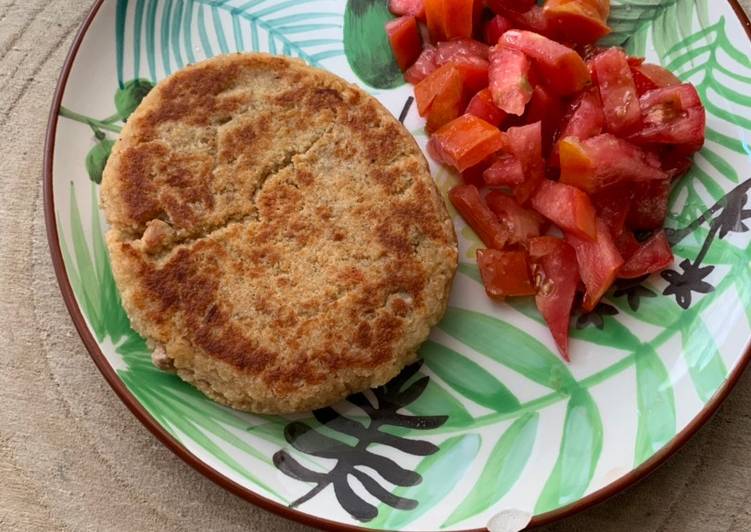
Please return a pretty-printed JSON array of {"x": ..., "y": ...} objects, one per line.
[{"x": 275, "y": 233}]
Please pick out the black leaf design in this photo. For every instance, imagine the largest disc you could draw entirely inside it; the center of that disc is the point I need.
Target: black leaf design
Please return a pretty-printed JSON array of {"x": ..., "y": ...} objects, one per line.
[
  {"x": 596, "y": 316},
  {"x": 683, "y": 285},
  {"x": 389, "y": 400},
  {"x": 634, "y": 290}
]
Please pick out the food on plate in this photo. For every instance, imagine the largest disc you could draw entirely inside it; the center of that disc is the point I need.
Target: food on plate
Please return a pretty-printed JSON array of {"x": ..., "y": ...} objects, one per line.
[
  {"x": 275, "y": 233},
  {"x": 567, "y": 150}
]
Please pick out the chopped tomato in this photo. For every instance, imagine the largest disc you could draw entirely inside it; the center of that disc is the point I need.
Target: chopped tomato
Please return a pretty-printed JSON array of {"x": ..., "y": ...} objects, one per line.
[
  {"x": 576, "y": 20},
  {"x": 602, "y": 161},
  {"x": 522, "y": 223},
  {"x": 544, "y": 107},
  {"x": 506, "y": 170},
  {"x": 675, "y": 162},
  {"x": 584, "y": 120},
  {"x": 649, "y": 206},
  {"x": 654, "y": 255},
  {"x": 648, "y": 77},
  {"x": 423, "y": 67},
  {"x": 458, "y": 18},
  {"x": 496, "y": 27},
  {"x": 519, "y": 6},
  {"x": 530, "y": 19},
  {"x": 481, "y": 105},
  {"x": 564, "y": 69},
  {"x": 466, "y": 141},
  {"x": 505, "y": 273},
  {"x": 414, "y": 8},
  {"x": 599, "y": 263},
  {"x": 557, "y": 278},
  {"x": 406, "y": 43},
  {"x": 613, "y": 205},
  {"x": 626, "y": 243},
  {"x": 567, "y": 207},
  {"x": 440, "y": 96},
  {"x": 620, "y": 102},
  {"x": 467, "y": 201},
  {"x": 449, "y": 50},
  {"x": 435, "y": 16},
  {"x": 525, "y": 143},
  {"x": 474, "y": 73},
  {"x": 509, "y": 79},
  {"x": 474, "y": 174},
  {"x": 672, "y": 115}
]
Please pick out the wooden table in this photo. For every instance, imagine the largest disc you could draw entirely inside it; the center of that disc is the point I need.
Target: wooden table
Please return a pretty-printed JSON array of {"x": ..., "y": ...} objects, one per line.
[{"x": 73, "y": 458}]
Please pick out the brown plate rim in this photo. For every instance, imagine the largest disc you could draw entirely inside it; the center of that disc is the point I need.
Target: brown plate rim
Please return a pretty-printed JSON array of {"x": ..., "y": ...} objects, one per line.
[{"x": 624, "y": 482}]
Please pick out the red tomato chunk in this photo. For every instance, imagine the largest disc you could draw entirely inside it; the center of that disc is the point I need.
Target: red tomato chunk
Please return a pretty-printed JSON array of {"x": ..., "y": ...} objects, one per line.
[
  {"x": 405, "y": 40},
  {"x": 466, "y": 141},
  {"x": 652, "y": 256},
  {"x": 522, "y": 224},
  {"x": 567, "y": 207},
  {"x": 618, "y": 92},
  {"x": 505, "y": 273},
  {"x": 414, "y": 8},
  {"x": 509, "y": 79},
  {"x": 467, "y": 201},
  {"x": 482, "y": 106}
]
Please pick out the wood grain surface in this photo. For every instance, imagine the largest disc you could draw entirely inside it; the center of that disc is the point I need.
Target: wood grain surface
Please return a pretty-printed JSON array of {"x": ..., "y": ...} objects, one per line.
[{"x": 73, "y": 458}]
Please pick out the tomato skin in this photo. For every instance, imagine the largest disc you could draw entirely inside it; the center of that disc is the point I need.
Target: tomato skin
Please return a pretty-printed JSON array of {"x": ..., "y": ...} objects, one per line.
[
  {"x": 649, "y": 206},
  {"x": 405, "y": 40},
  {"x": 620, "y": 101},
  {"x": 496, "y": 27},
  {"x": 505, "y": 273},
  {"x": 544, "y": 107},
  {"x": 506, "y": 171},
  {"x": 562, "y": 66},
  {"x": 576, "y": 21},
  {"x": 522, "y": 223},
  {"x": 584, "y": 120},
  {"x": 613, "y": 205},
  {"x": 557, "y": 278},
  {"x": 458, "y": 18},
  {"x": 627, "y": 244},
  {"x": 509, "y": 79},
  {"x": 467, "y": 201},
  {"x": 519, "y": 6},
  {"x": 465, "y": 142},
  {"x": 599, "y": 263},
  {"x": 481, "y": 105},
  {"x": 530, "y": 19},
  {"x": 672, "y": 115},
  {"x": 603, "y": 161},
  {"x": 440, "y": 96},
  {"x": 423, "y": 67},
  {"x": 648, "y": 76},
  {"x": 567, "y": 207},
  {"x": 414, "y": 8},
  {"x": 654, "y": 255},
  {"x": 525, "y": 143},
  {"x": 474, "y": 73},
  {"x": 435, "y": 16}
]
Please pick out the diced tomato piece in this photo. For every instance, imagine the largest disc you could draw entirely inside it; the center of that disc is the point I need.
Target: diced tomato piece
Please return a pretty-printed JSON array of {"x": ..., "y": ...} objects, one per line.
[
  {"x": 467, "y": 201},
  {"x": 672, "y": 115},
  {"x": 649, "y": 206},
  {"x": 405, "y": 40},
  {"x": 459, "y": 18},
  {"x": 620, "y": 102},
  {"x": 544, "y": 107},
  {"x": 522, "y": 223},
  {"x": 530, "y": 19},
  {"x": 506, "y": 171},
  {"x": 435, "y": 16},
  {"x": 563, "y": 68},
  {"x": 648, "y": 77},
  {"x": 520, "y": 6},
  {"x": 474, "y": 174},
  {"x": 525, "y": 143},
  {"x": 509, "y": 79},
  {"x": 481, "y": 105},
  {"x": 584, "y": 120},
  {"x": 613, "y": 205},
  {"x": 654, "y": 255},
  {"x": 449, "y": 50},
  {"x": 567, "y": 207},
  {"x": 557, "y": 278},
  {"x": 440, "y": 96},
  {"x": 414, "y": 8},
  {"x": 627, "y": 244},
  {"x": 474, "y": 73},
  {"x": 423, "y": 67},
  {"x": 496, "y": 27},
  {"x": 603, "y": 161},
  {"x": 505, "y": 273},
  {"x": 599, "y": 263},
  {"x": 576, "y": 21},
  {"x": 466, "y": 141},
  {"x": 675, "y": 163},
  {"x": 602, "y": 7}
]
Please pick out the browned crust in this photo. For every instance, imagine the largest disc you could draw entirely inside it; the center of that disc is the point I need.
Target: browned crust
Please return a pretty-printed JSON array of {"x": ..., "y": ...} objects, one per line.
[{"x": 277, "y": 231}]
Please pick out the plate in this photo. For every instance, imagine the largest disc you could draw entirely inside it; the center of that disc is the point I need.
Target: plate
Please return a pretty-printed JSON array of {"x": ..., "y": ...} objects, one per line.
[{"x": 492, "y": 427}]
